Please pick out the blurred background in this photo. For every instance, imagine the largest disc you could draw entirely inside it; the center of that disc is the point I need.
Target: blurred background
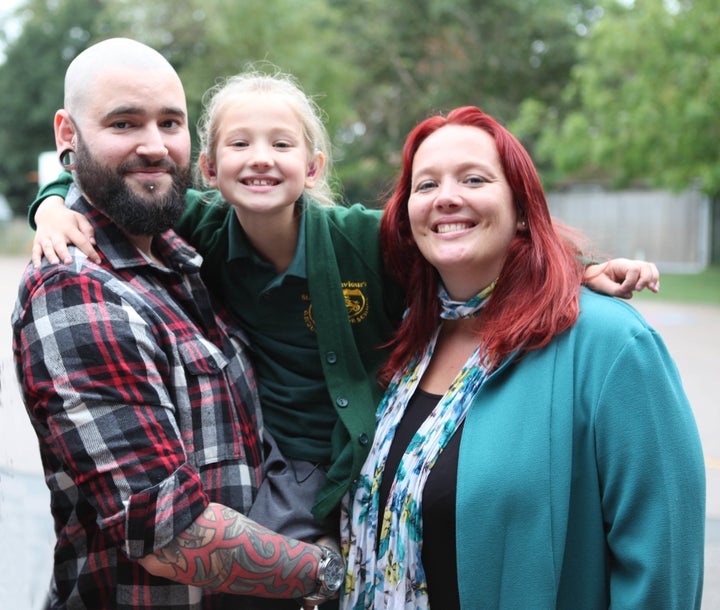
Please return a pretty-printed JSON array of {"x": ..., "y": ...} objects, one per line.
[{"x": 618, "y": 103}]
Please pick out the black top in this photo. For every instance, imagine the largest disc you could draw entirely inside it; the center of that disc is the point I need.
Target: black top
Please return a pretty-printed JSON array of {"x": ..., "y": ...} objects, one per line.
[{"x": 438, "y": 503}]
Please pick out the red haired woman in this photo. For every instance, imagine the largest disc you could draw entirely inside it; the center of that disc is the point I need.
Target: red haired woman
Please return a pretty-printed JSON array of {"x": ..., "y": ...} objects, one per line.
[{"x": 535, "y": 447}]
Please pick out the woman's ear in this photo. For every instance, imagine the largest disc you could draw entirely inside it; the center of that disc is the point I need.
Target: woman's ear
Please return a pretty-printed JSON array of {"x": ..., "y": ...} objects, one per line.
[
  {"x": 314, "y": 170},
  {"x": 208, "y": 169}
]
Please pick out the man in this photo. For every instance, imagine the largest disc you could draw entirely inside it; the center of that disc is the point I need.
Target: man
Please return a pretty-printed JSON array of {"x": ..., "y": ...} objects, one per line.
[{"x": 142, "y": 397}]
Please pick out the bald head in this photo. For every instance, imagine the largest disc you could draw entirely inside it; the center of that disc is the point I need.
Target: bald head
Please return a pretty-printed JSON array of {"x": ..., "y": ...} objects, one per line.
[
  {"x": 125, "y": 120},
  {"x": 114, "y": 54}
]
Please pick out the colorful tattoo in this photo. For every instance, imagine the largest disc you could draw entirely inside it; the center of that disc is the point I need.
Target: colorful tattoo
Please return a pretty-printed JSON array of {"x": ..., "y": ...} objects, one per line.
[{"x": 225, "y": 551}]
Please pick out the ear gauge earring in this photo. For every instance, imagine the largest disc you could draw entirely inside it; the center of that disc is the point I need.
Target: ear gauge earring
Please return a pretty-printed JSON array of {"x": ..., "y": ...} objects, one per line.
[{"x": 67, "y": 159}]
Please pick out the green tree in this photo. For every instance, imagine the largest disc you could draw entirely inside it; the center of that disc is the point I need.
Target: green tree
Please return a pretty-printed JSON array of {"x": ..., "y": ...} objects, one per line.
[
  {"x": 31, "y": 79},
  {"x": 375, "y": 67},
  {"x": 643, "y": 102},
  {"x": 414, "y": 57}
]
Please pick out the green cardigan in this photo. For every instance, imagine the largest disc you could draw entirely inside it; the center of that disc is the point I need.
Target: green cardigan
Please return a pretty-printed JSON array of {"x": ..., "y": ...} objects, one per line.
[
  {"x": 581, "y": 481},
  {"x": 342, "y": 245}
]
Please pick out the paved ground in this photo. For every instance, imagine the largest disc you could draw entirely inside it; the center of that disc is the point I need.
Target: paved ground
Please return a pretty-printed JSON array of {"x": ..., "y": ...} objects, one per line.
[{"x": 692, "y": 334}]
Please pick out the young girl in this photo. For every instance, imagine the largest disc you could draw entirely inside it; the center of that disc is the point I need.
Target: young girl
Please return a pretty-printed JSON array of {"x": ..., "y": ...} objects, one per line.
[{"x": 303, "y": 277}]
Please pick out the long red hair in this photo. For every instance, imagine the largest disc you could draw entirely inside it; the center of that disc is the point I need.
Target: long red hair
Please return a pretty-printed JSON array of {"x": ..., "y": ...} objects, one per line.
[{"x": 536, "y": 296}]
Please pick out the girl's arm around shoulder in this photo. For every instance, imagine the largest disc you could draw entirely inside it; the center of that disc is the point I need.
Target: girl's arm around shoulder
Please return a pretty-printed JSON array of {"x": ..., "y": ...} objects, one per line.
[
  {"x": 56, "y": 227},
  {"x": 619, "y": 277},
  {"x": 59, "y": 187}
]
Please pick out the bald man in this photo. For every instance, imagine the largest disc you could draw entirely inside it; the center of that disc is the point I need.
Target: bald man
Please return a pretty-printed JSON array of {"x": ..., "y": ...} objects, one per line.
[{"x": 142, "y": 396}]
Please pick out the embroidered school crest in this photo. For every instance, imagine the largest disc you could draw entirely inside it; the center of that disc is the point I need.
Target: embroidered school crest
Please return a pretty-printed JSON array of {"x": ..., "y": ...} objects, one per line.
[{"x": 356, "y": 304}]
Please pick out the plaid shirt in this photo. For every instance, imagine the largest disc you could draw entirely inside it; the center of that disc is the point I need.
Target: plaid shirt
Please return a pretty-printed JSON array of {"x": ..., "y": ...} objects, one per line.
[{"x": 145, "y": 407}]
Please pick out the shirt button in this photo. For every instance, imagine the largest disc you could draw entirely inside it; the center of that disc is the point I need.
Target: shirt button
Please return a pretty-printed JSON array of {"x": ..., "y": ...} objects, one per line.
[
  {"x": 331, "y": 357},
  {"x": 363, "y": 439},
  {"x": 342, "y": 402}
]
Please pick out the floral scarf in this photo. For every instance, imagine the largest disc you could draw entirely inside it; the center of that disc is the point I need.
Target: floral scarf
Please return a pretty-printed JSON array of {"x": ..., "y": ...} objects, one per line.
[
  {"x": 454, "y": 310},
  {"x": 384, "y": 568}
]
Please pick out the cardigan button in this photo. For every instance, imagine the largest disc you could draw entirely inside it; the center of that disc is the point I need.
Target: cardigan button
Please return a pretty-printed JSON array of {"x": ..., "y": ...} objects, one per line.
[
  {"x": 342, "y": 402},
  {"x": 363, "y": 439},
  {"x": 331, "y": 357}
]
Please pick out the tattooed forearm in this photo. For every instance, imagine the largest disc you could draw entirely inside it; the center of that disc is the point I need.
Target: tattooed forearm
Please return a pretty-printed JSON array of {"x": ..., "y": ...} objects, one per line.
[{"x": 224, "y": 550}]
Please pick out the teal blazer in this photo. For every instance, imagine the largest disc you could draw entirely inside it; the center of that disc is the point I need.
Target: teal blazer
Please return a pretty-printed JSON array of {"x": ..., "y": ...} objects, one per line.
[{"x": 581, "y": 481}]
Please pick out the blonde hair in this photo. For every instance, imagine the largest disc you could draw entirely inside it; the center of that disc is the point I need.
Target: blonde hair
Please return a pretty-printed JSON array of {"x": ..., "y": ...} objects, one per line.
[{"x": 253, "y": 81}]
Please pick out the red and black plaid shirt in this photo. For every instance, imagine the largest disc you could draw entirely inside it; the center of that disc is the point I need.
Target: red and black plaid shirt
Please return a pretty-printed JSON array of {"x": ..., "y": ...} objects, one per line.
[{"x": 145, "y": 407}]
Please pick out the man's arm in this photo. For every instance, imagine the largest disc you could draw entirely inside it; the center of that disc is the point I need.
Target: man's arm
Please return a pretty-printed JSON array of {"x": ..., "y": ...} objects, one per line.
[
  {"x": 113, "y": 425},
  {"x": 225, "y": 551}
]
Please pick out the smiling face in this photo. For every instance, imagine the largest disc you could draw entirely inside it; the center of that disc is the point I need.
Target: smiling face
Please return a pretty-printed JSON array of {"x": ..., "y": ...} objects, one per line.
[
  {"x": 127, "y": 122},
  {"x": 461, "y": 208},
  {"x": 262, "y": 163},
  {"x": 136, "y": 121}
]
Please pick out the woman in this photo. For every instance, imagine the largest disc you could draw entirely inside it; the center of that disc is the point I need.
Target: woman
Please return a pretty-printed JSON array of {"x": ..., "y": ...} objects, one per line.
[{"x": 535, "y": 448}]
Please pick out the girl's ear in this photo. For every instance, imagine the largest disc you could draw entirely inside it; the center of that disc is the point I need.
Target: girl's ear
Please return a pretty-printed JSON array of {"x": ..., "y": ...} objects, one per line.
[
  {"x": 208, "y": 169},
  {"x": 314, "y": 170}
]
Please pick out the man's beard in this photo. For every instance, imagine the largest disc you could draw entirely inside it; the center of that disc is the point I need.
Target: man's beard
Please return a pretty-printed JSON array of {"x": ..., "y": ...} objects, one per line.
[{"x": 136, "y": 214}]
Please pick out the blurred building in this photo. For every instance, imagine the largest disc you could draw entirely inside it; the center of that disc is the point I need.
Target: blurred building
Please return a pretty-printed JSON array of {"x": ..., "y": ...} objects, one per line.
[{"x": 677, "y": 231}]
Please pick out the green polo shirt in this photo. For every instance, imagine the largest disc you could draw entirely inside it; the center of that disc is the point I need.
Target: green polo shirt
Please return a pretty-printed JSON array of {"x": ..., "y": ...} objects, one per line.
[{"x": 275, "y": 312}]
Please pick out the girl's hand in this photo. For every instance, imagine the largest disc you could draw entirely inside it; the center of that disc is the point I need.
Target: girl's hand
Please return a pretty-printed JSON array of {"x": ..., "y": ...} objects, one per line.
[
  {"x": 620, "y": 277},
  {"x": 56, "y": 228}
]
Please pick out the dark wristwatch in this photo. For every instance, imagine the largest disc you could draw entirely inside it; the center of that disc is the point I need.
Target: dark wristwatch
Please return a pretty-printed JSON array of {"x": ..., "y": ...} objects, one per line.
[{"x": 331, "y": 572}]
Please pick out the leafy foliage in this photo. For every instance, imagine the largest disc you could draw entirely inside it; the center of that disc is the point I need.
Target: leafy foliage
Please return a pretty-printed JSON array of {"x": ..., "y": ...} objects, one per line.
[
  {"x": 416, "y": 58},
  {"x": 643, "y": 102},
  {"x": 31, "y": 80},
  {"x": 623, "y": 92}
]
